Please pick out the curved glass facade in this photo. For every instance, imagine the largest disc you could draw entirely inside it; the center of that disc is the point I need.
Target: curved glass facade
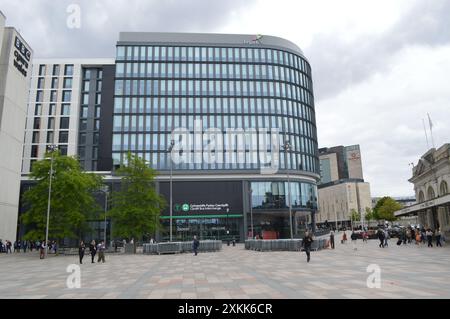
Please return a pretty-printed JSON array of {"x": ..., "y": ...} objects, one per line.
[
  {"x": 160, "y": 88},
  {"x": 274, "y": 195}
]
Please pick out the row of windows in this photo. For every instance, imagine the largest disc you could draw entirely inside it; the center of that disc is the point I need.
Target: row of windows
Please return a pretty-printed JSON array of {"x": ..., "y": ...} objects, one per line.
[
  {"x": 84, "y": 125},
  {"x": 64, "y": 110},
  {"x": 63, "y": 123},
  {"x": 204, "y": 54},
  {"x": 87, "y": 73},
  {"x": 168, "y": 123},
  {"x": 56, "y": 70},
  {"x": 50, "y": 138},
  {"x": 212, "y": 88},
  {"x": 83, "y": 138},
  {"x": 82, "y": 152},
  {"x": 85, "y": 98},
  {"x": 161, "y": 161},
  {"x": 220, "y": 71},
  {"x": 270, "y": 195},
  {"x": 213, "y": 105},
  {"x": 161, "y": 142},
  {"x": 66, "y": 96},
  {"x": 86, "y": 85},
  {"x": 67, "y": 83},
  {"x": 90, "y": 112},
  {"x": 84, "y": 113}
]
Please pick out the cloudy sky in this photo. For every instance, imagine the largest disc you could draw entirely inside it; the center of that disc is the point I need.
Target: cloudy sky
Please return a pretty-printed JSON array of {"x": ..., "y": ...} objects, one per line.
[{"x": 379, "y": 66}]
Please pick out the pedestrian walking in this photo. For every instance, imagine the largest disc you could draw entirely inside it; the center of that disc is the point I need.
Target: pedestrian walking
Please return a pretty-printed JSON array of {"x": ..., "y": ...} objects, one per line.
[
  {"x": 81, "y": 250},
  {"x": 101, "y": 251},
  {"x": 386, "y": 238},
  {"x": 418, "y": 239},
  {"x": 42, "y": 249},
  {"x": 306, "y": 243},
  {"x": 354, "y": 237},
  {"x": 381, "y": 238},
  {"x": 429, "y": 235},
  {"x": 332, "y": 239},
  {"x": 93, "y": 250},
  {"x": 344, "y": 238},
  {"x": 438, "y": 237},
  {"x": 195, "y": 245}
]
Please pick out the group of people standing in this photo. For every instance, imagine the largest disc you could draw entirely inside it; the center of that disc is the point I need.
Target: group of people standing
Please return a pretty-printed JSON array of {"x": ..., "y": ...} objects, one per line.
[
  {"x": 410, "y": 234},
  {"x": 94, "y": 249},
  {"x": 22, "y": 245}
]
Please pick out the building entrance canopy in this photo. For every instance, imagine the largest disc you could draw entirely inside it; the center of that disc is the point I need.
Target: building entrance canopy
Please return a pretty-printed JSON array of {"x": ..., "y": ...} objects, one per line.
[{"x": 414, "y": 209}]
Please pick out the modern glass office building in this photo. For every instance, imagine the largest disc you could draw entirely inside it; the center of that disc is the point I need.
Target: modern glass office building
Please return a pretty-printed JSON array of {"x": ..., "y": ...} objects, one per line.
[
  {"x": 239, "y": 110},
  {"x": 256, "y": 89}
]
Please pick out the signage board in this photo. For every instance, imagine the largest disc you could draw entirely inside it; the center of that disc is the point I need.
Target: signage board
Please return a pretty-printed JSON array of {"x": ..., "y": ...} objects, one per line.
[
  {"x": 22, "y": 56},
  {"x": 203, "y": 198}
]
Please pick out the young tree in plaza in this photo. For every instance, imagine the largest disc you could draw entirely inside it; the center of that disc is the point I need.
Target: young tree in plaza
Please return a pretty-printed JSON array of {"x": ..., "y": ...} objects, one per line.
[
  {"x": 72, "y": 202},
  {"x": 137, "y": 206},
  {"x": 355, "y": 215},
  {"x": 386, "y": 210}
]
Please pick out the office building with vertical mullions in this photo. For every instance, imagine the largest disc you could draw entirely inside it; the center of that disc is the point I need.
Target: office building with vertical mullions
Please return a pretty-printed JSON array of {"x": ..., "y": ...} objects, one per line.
[
  {"x": 238, "y": 108},
  {"x": 220, "y": 82}
]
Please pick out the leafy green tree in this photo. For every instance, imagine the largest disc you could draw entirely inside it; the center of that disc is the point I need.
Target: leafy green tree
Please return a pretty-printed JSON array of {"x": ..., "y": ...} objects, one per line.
[
  {"x": 355, "y": 215},
  {"x": 375, "y": 212},
  {"x": 72, "y": 202},
  {"x": 369, "y": 214},
  {"x": 387, "y": 209},
  {"x": 137, "y": 206}
]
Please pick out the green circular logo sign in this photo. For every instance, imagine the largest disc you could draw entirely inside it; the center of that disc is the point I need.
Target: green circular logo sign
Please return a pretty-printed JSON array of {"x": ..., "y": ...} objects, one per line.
[{"x": 185, "y": 207}]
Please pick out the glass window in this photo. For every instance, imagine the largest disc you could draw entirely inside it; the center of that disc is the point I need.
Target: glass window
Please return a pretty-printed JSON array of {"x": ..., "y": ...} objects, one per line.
[
  {"x": 36, "y": 136},
  {"x": 50, "y": 137},
  {"x": 54, "y": 83},
  {"x": 63, "y": 137},
  {"x": 53, "y": 96},
  {"x": 68, "y": 83},
  {"x": 39, "y": 96},
  {"x": 64, "y": 124},
  {"x": 83, "y": 125},
  {"x": 120, "y": 53},
  {"x": 52, "y": 109},
  {"x": 67, "y": 96},
  {"x": 68, "y": 70},
  {"x": 42, "y": 69},
  {"x": 51, "y": 123},
  {"x": 56, "y": 70},
  {"x": 38, "y": 109},
  {"x": 37, "y": 123}
]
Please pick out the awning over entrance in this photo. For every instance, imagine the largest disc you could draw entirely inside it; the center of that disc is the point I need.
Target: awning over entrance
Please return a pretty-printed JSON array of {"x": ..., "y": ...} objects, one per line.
[{"x": 414, "y": 209}]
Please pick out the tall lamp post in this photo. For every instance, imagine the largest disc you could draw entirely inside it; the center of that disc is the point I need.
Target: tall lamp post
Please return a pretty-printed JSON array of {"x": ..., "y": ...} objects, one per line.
[
  {"x": 287, "y": 148},
  {"x": 105, "y": 189},
  {"x": 172, "y": 143},
  {"x": 251, "y": 213},
  {"x": 52, "y": 149}
]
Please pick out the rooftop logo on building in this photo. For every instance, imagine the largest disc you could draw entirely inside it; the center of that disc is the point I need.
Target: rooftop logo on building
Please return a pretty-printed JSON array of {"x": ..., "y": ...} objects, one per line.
[
  {"x": 255, "y": 40},
  {"x": 22, "y": 55}
]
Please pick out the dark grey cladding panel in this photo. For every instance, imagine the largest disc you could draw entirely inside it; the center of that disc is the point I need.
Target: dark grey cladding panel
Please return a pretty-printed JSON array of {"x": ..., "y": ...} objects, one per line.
[{"x": 207, "y": 39}]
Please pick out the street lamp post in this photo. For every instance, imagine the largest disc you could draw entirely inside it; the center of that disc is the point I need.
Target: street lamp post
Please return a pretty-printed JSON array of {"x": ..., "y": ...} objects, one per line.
[
  {"x": 105, "y": 189},
  {"x": 52, "y": 149},
  {"x": 287, "y": 147},
  {"x": 172, "y": 143},
  {"x": 251, "y": 213}
]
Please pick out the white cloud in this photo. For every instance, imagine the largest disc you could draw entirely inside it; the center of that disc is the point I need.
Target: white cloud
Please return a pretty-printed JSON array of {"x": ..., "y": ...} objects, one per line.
[
  {"x": 378, "y": 66},
  {"x": 384, "y": 115}
]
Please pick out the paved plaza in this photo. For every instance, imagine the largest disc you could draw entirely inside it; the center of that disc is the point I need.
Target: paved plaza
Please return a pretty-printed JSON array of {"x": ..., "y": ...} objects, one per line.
[{"x": 406, "y": 272}]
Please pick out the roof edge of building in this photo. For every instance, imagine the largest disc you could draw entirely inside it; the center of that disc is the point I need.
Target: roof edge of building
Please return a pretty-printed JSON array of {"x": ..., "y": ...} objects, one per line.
[{"x": 208, "y": 38}]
